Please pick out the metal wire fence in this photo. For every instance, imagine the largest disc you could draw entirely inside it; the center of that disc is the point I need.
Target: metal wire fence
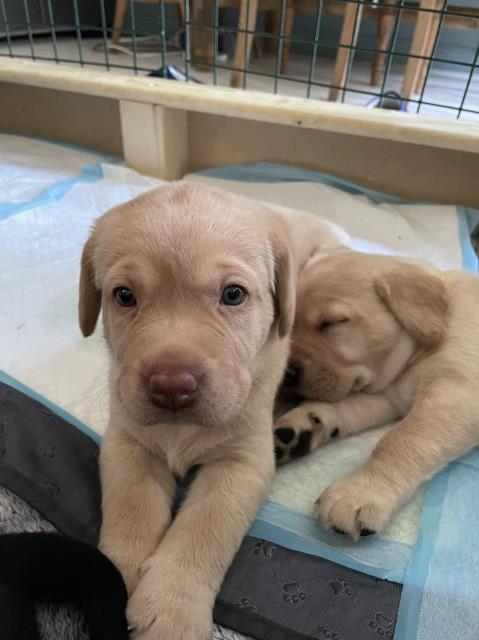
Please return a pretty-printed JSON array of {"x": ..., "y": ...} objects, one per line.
[{"x": 420, "y": 55}]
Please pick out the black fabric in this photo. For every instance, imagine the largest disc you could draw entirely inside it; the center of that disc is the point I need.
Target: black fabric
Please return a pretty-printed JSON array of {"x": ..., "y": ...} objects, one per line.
[
  {"x": 50, "y": 464},
  {"x": 41, "y": 566},
  {"x": 17, "y": 619},
  {"x": 269, "y": 593},
  {"x": 182, "y": 486}
]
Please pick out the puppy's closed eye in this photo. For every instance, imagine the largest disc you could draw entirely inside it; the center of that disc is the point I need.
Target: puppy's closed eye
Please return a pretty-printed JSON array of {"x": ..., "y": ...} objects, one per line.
[{"x": 331, "y": 322}]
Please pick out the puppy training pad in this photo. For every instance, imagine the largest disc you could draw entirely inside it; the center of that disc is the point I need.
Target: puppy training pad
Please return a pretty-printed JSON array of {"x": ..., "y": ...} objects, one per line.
[{"x": 49, "y": 200}]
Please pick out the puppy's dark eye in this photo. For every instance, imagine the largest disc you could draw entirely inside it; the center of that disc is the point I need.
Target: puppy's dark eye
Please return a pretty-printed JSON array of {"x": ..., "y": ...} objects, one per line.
[
  {"x": 233, "y": 295},
  {"x": 124, "y": 297}
]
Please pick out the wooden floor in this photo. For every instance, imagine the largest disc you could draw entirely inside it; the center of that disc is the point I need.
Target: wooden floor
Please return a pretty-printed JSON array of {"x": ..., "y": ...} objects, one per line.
[{"x": 445, "y": 87}]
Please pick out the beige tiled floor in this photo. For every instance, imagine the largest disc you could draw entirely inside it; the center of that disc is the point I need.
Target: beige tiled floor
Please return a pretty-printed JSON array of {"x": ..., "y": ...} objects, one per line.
[{"x": 444, "y": 87}]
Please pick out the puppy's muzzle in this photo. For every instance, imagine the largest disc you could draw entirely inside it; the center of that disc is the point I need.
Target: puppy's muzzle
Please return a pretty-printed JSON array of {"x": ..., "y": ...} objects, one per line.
[{"x": 173, "y": 390}]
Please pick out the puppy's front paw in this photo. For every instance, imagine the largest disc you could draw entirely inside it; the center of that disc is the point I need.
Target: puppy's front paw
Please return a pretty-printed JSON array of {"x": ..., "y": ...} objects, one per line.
[
  {"x": 304, "y": 429},
  {"x": 161, "y": 609},
  {"x": 358, "y": 506}
]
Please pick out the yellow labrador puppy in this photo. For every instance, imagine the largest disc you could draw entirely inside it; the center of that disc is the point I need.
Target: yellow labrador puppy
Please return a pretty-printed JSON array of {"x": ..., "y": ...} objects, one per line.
[
  {"x": 197, "y": 289},
  {"x": 377, "y": 338}
]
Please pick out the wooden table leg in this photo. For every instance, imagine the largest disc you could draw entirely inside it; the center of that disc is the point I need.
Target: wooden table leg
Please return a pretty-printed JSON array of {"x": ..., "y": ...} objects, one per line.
[
  {"x": 247, "y": 21},
  {"x": 349, "y": 36},
  {"x": 386, "y": 21},
  {"x": 202, "y": 40},
  {"x": 435, "y": 26},
  {"x": 118, "y": 20},
  {"x": 425, "y": 31}
]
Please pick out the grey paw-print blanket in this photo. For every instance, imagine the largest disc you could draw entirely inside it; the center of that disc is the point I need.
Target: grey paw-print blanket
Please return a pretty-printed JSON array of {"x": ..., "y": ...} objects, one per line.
[{"x": 49, "y": 482}]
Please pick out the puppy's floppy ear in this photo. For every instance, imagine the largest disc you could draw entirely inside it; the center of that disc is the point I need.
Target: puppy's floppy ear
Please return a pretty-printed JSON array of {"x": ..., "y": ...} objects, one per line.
[
  {"x": 90, "y": 297},
  {"x": 284, "y": 283},
  {"x": 418, "y": 300}
]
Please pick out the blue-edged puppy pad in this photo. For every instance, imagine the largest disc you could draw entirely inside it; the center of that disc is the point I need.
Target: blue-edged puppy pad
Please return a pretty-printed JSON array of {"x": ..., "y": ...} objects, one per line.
[
  {"x": 375, "y": 221},
  {"x": 441, "y": 586},
  {"x": 41, "y": 345},
  {"x": 41, "y": 241},
  {"x": 35, "y": 172}
]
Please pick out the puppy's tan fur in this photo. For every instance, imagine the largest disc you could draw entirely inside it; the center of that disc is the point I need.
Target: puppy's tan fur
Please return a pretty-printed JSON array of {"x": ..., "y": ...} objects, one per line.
[
  {"x": 176, "y": 248},
  {"x": 377, "y": 339}
]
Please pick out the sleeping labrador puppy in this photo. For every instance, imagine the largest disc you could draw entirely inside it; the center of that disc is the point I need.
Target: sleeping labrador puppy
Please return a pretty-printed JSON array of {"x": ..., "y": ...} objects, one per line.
[
  {"x": 376, "y": 339},
  {"x": 197, "y": 289}
]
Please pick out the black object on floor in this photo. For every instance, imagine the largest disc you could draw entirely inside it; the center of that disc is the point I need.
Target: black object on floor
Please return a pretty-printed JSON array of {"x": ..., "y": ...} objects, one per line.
[
  {"x": 390, "y": 100},
  {"x": 270, "y": 592},
  {"x": 48, "y": 566},
  {"x": 170, "y": 72}
]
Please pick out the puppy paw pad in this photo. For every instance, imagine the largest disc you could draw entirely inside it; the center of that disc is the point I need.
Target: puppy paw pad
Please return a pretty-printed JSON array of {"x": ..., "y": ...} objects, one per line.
[
  {"x": 285, "y": 434},
  {"x": 304, "y": 445}
]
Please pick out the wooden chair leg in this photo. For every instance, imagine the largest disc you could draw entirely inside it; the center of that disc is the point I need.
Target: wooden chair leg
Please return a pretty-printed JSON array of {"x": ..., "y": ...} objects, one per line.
[
  {"x": 287, "y": 31},
  {"x": 386, "y": 20},
  {"x": 424, "y": 33},
  {"x": 118, "y": 20},
  {"x": 247, "y": 21},
  {"x": 349, "y": 36}
]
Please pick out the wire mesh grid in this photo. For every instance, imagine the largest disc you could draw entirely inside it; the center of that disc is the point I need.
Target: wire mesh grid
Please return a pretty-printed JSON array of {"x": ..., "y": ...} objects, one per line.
[{"x": 420, "y": 55}]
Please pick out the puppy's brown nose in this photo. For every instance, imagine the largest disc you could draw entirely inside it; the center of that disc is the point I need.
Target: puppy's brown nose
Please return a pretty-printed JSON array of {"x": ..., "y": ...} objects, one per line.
[{"x": 173, "y": 390}]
